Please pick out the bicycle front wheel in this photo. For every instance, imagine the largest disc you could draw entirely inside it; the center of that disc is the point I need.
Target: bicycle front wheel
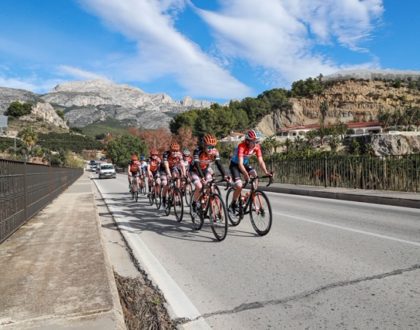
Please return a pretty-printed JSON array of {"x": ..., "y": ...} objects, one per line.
[
  {"x": 218, "y": 217},
  {"x": 178, "y": 204},
  {"x": 158, "y": 197},
  {"x": 260, "y": 213},
  {"x": 168, "y": 204},
  {"x": 188, "y": 193}
]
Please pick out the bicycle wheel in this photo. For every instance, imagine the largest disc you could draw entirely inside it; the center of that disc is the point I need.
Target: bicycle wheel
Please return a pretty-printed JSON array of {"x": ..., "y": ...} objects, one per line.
[
  {"x": 158, "y": 199},
  {"x": 260, "y": 214},
  {"x": 188, "y": 193},
  {"x": 152, "y": 197},
  {"x": 168, "y": 202},
  {"x": 136, "y": 195},
  {"x": 234, "y": 217},
  {"x": 178, "y": 204},
  {"x": 217, "y": 190},
  {"x": 218, "y": 218},
  {"x": 196, "y": 219}
]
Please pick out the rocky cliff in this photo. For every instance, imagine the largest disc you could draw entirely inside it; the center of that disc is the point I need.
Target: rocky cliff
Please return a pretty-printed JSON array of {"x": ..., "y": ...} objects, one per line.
[
  {"x": 86, "y": 102},
  {"x": 351, "y": 96}
]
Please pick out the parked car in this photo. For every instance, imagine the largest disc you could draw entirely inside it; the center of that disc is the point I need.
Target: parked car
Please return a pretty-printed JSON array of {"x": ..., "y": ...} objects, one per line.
[
  {"x": 92, "y": 165},
  {"x": 106, "y": 171}
]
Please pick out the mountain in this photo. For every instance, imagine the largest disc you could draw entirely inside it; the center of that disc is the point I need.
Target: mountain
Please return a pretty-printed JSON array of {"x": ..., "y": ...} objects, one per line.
[
  {"x": 95, "y": 101},
  {"x": 87, "y": 102}
]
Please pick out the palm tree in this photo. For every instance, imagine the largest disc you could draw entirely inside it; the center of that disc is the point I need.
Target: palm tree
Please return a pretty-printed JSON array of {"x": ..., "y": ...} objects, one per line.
[
  {"x": 29, "y": 137},
  {"x": 323, "y": 108}
]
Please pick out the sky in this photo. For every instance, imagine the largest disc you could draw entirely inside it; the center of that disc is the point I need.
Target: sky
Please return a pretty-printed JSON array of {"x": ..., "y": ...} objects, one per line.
[{"x": 208, "y": 49}]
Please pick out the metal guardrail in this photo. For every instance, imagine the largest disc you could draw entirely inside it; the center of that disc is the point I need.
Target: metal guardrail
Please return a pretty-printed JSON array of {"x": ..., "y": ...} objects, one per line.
[
  {"x": 27, "y": 188},
  {"x": 398, "y": 173}
]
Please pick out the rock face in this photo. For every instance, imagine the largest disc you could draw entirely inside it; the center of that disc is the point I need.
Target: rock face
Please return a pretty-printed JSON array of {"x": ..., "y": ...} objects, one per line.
[
  {"x": 87, "y": 102},
  {"x": 46, "y": 113},
  {"x": 92, "y": 101},
  {"x": 9, "y": 95},
  {"x": 401, "y": 144},
  {"x": 353, "y": 96}
]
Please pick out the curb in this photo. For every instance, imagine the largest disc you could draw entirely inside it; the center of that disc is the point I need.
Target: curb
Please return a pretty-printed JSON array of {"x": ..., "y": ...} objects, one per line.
[{"x": 375, "y": 199}]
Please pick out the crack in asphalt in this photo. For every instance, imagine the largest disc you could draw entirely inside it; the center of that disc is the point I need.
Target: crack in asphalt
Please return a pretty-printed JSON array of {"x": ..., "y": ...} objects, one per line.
[{"x": 305, "y": 294}]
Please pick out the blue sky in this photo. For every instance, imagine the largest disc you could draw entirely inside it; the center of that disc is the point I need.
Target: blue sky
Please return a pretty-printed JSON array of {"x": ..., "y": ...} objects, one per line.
[{"x": 207, "y": 49}]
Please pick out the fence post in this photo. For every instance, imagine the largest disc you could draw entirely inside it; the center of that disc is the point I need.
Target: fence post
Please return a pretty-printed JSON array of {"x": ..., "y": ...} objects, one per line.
[
  {"x": 25, "y": 188},
  {"x": 325, "y": 171}
]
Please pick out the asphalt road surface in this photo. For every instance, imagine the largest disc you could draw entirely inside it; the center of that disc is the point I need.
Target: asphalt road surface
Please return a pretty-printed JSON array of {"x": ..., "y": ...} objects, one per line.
[{"x": 325, "y": 264}]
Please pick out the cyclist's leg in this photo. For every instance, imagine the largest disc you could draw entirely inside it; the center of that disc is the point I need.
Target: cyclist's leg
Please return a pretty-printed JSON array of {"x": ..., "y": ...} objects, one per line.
[
  {"x": 196, "y": 181},
  {"x": 157, "y": 182},
  {"x": 252, "y": 173},
  {"x": 237, "y": 182},
  {"x": 165, "y": 186}
]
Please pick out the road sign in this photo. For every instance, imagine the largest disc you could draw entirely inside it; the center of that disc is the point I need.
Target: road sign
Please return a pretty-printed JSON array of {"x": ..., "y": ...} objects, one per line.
[{"x": 3, "y": 121}]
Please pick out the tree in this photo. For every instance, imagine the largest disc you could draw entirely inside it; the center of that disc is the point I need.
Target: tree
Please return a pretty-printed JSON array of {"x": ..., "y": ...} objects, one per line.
[
  {"x": 29, "y": 137},
  {"x": 17, "y": 109},
  {"x": 186, "y": 138},
  {"x": 120, "y": 149},
  {"x": 323, "y": 109},
  {"x": 159, "y": 138}
]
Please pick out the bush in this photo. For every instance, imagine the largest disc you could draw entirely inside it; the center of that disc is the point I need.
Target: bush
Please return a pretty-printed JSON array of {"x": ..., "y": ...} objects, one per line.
[{"x": 17, "y": 109}]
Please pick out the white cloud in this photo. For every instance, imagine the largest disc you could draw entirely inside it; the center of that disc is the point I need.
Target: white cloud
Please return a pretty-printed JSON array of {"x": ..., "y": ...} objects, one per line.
[
  {"x": 163, "y": 51},
  {"x": 280, "y": 35},
  {"x": 78, "y": 73},
  {"x": 33, "y": 84}
]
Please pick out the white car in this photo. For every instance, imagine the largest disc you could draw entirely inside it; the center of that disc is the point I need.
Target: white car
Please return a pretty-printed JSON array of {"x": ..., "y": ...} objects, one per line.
[{"x": 106, "y": 171}]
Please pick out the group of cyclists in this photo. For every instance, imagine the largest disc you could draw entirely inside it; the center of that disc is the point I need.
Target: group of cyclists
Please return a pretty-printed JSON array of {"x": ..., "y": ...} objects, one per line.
[{"x": 177, "y": 163}]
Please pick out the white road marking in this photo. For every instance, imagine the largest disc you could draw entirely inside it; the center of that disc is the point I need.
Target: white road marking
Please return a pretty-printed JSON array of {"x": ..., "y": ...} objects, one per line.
[
  {"x": 181, "y": 306},
  {"x": 349, "y": 229}
]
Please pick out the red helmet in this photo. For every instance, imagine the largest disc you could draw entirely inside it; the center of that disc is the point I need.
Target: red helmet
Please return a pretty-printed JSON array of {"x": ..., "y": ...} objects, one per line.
[
  {"x": 175, "y": 146},
  {"x": 134, "y": 157},
  {"x": 154, "y": 152},
  {"x": 210, "y": 140},
  {"x": 252, "y": 135}
]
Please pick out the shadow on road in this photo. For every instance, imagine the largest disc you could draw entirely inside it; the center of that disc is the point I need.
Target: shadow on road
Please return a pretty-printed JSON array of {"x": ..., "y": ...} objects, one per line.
[{"x": 141, "y": 216}]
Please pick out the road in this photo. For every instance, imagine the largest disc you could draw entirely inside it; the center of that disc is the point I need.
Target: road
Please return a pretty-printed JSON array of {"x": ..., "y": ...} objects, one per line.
[{"x": 325, "y": 264}]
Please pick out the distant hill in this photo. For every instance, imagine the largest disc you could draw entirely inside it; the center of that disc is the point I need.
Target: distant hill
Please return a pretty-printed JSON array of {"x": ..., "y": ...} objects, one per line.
[{"x": 97, "y": 101}]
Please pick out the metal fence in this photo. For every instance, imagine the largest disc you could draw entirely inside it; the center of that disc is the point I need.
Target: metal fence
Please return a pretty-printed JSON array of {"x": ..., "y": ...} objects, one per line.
[
  {"x": 27, "y": 188},
  {"x": 399, "y": 173}
]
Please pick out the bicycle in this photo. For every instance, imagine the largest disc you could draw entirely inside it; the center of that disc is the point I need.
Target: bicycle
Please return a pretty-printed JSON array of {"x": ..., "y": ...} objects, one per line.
[
  {"x": 134, "y": 188},
  {"x": 153, "y": 195},
  {"x": 174, "y": 198},
  {"x": 211, "y": 207},
  {"x": 187, "y": 190},
  {"x": 255, "y": 203}
]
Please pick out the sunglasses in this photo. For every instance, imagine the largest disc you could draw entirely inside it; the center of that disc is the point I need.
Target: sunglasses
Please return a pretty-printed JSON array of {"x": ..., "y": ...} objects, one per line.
[
  {"x": 253, "y": 142},
  {"x": 210, "y": 147}
]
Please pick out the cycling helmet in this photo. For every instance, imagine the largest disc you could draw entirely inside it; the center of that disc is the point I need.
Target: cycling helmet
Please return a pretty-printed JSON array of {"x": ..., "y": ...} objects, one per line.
[
  {"x": 210, "y": 140},
  {"x": 134, "y": 157},
  {"x": 252, "y": 135},
  {"x": 142, "y": 157},
  {"x": 154, "y": 152},
  {"x": 186, "y": 152},
  {"x": 175, "y": 146}
]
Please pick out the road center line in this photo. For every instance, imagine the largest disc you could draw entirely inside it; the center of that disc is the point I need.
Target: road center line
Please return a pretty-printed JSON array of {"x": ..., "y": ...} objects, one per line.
[{"x": 349, "y": 229}]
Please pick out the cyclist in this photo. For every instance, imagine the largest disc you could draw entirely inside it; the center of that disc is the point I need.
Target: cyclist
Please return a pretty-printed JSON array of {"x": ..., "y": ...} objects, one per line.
[
  {"x": 143, "y": 171},
  {"x": 133, "y": 170},
  {"x": 170, "y": 167},
  {"x": 186, "y": 160},
  {"x": 239, "y": 163},
  {"x": 201, "y": 171},
  {"x": 153, "y": 168}
]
